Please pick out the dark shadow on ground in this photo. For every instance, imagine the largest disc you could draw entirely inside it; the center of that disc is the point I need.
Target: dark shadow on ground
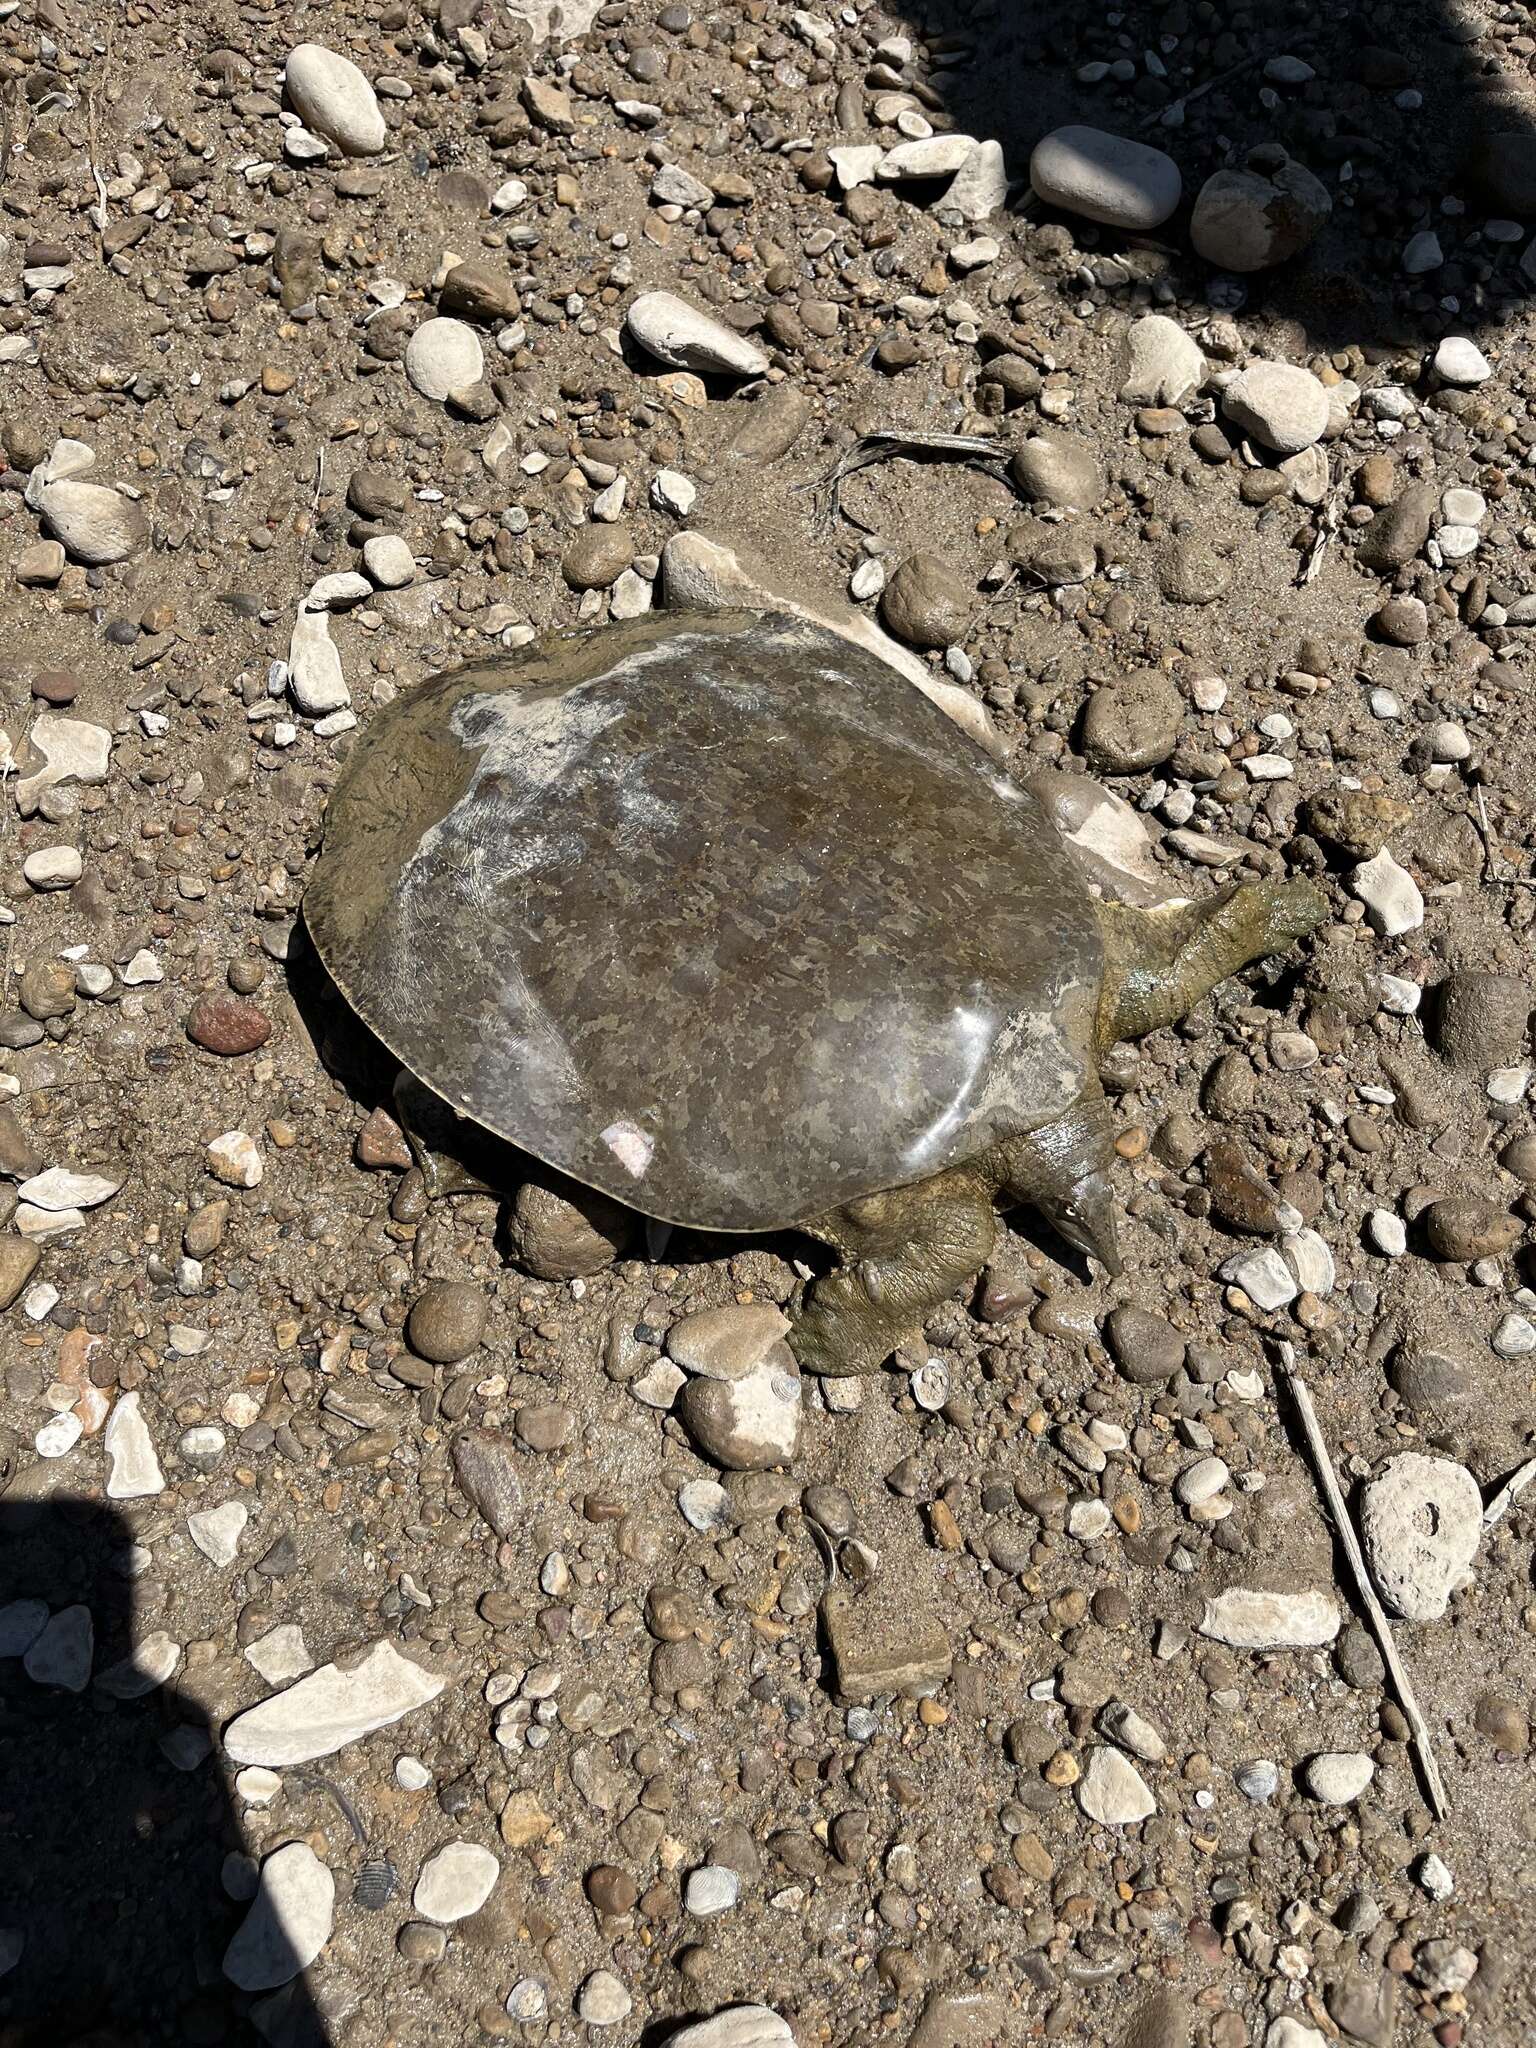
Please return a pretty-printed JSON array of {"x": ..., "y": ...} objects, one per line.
[
  {"x": 114, "y": 1822},
  {"x": 1010, "y": 70}
]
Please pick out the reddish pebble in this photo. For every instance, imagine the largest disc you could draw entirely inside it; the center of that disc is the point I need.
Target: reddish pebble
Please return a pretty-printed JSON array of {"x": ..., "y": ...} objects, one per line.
[
  {"x": 226, "y": 1025},
  {"x": 381, "y": 1143},
  {"x": 55, "y": 686}
]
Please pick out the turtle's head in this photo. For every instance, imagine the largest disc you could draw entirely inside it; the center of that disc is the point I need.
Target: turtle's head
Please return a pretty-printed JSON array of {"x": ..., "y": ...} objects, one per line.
[{"x": 1085, "y": 1217}]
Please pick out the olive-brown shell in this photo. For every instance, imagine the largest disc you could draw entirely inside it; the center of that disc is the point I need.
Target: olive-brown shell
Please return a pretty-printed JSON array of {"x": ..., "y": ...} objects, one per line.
[{"x": 717, "y": 914}]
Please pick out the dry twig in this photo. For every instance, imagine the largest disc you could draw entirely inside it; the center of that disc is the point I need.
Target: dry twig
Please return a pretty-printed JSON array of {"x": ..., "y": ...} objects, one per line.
[{"x": 1375, "y": 1613}]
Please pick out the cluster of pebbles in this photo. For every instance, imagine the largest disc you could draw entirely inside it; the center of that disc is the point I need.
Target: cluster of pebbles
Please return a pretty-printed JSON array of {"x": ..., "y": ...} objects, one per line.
[{"x": 1014, "y": 1693}]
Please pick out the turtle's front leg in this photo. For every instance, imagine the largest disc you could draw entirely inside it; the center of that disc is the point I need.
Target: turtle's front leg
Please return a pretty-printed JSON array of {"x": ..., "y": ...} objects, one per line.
[
  {"x": 1160, "y": 963},
  {"x": 904, "y": 1252}
]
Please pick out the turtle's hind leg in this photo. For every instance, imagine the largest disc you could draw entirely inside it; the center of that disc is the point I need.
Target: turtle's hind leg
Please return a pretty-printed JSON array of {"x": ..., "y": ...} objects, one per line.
[
  {"x": 427, "y": 1123},
  {"x": 1158, "y": 964},
  {"x": 904, "y": 1251}
]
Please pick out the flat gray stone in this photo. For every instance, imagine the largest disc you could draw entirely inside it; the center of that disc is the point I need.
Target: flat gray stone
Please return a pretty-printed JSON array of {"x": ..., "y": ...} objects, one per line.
[
  {"x": 289, "y": 1921},
  {"x": 217, "y": 1531},
  {"x": 455, "y": 1882},
  {"x": 332, "y": 1707},
  {"x": 61, "y": 1655},
  {"x": 135, "y": 1473},
  {"x": 1113, "y": 1791},
  {"x": 1105, "y": 177}
]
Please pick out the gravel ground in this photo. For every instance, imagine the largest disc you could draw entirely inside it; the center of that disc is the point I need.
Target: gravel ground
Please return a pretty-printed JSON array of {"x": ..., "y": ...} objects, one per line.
[{"x": 1020, "y": 1693}]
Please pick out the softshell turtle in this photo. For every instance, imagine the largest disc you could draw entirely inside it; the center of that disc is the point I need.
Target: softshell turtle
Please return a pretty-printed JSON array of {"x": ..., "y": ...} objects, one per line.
[{"x": 721, "y": 917}]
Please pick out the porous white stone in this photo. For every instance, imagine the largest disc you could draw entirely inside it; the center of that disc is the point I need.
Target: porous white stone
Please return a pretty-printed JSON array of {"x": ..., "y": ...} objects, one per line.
[
  {"x": 1421, "y": 1520},
  {"x": 1249, "y": 1619},
  {"x": 444, "y": 356}
]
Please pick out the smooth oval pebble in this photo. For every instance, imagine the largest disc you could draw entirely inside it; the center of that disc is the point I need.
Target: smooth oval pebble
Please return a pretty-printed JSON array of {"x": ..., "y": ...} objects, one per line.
[
  {"x": 95, "y": 523},
  {"x": 1105, "y": 177},
  {"x": 683, "y": 338},
  {"x": 442, "y": 357},
  {"x": 53, "y": 867},
  {"x": 331, "y": 96}
]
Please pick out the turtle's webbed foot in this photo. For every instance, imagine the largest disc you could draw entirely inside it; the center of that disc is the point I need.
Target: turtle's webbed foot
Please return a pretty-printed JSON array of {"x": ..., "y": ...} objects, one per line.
[
  {"x": 424, "y": 1119},
  {"x": 907, "y": 1250}
]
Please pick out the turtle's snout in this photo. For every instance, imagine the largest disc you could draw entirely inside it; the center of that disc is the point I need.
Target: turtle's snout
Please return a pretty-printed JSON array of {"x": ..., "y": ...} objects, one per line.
[{"x": 1087, "y": 1220}]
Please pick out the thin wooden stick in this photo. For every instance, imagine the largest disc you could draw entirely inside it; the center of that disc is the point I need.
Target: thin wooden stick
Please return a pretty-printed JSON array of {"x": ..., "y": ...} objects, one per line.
[{"x": 1333, "y": 1494}]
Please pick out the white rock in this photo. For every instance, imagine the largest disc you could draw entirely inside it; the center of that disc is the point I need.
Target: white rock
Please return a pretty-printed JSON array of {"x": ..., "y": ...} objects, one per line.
[
  {"x": 1400, "y": 996},
  {"x": 95, "y": 523},
  {"x": 257, "y": 1786},
  {"x": 739, "y": 2026},
  {"x": 1338, "y": 1776},
  {"x": 455, "y": 1882},
  {"x": 748, "y": 1424},
  {"x": 673, "y": 492},
  {"x": 142, "y": 968},
  {"x": 1459, "y": 361},
  {"x": 659, "y": 1386},
  {"x": 61, "y": 1188},
  {"x": 39, "y": 1223},
  {"x": 1263, "y": 1276},
  {"x": 1457, "y": 543},
  {"x": 711, "y": 1889},
  {"x": 1113, "y": 1791},
  {"x": 509, "y": 196},
  {"x": 411, "y": 1774},
  {"x": 1460, "y": 506},
  {"x": 150, "y": 1664},
  {"x": 280, "y": 1655},
  {"x": 315, "y": 681},
  {"x": 1133, "y": 1731},
  {"x": 1308, "y": 1256},
  {"x": 235, "y": 1159},
  {"x": 56, "y": 1439},
  {"x": 444, "y": 356},
  {"x": 1248, "y": 1619},
  {"x": 136, "y": 1472},
  {"x": 855, "y": 163},
  {"x": 701, "y": 573},
  {"x": 1163, "y": 363},
  {"x": 1388, "y": 1233},
  {"x": 1286, "y": 2032},
  {"x": 70, "y": 749},
  {"x": 1434, "y": 1875},
  {"x": 61, "y": 1653},
  {"x": 338, "y": 591},
  {"x": 332, "y": 1707},
  {"x": 928, "y": 156},
  {"x": 1420, "y": 1520},
  {"x": 631, "y": 596},
  {"x": 1281, "y": 406},
  {"x": 330, "y": 95},
  {"x": 975, "y": 254},
  {"x": 1393, "y": 904},
  {"x": 289, "y": 1922},
  {"x": 1105, "y": 177},
  {"x": 53, "y": 867},
  {"x": 1201, "y": 1481},
  {"x": 673, "y": 186},
  {"x": 980, "y": 186},
  {"x": 389, "y": 561},
  {"x": 217, "y": 1531},
  {"x": 683, "y": 338},
  {"x": 602, "y": 2000}
]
